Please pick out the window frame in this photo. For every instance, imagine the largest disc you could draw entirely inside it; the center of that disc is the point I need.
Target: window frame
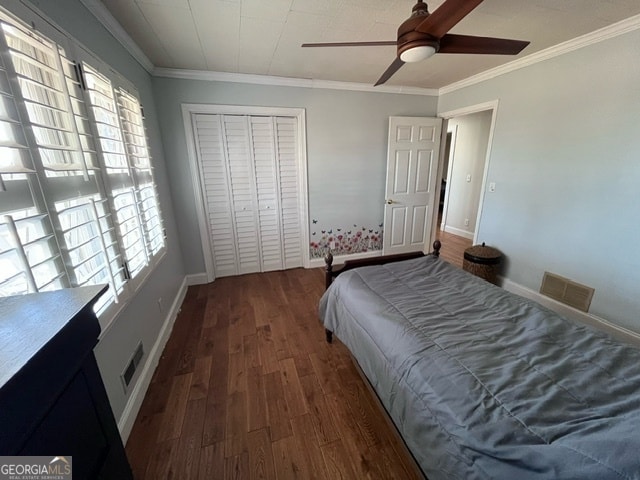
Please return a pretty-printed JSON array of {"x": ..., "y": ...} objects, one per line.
[{"x": 46, "y": 202}]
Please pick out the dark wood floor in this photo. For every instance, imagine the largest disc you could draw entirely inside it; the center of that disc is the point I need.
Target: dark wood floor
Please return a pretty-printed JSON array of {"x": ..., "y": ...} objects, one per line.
[
  {"x": 453, "y": 247},
  {"x": 248, "y": 388}
]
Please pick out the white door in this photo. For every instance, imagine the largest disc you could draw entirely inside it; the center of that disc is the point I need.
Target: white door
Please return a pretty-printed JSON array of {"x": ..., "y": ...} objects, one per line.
[
  {"x": 412, "y": 162},
  {"x": 249, "y": 174},
  {"x": 273, "y": 141},
  {"x": 241, "y": 180}
]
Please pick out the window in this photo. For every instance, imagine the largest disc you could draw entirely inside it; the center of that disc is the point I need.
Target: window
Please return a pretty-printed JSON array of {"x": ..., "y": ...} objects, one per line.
[{"x": 78, "y": 203}]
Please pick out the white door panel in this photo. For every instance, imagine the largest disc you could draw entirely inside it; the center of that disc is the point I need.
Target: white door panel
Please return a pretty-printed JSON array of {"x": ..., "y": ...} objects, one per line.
[
  {"x": 424, "y": 171},
  {"x": 398, "y": 225},
  {"x": 428, "y": 133},
  {"x": 410, "y": 190},
  {"x": 402, "y": 172},
  {"x": 267, "y": 185},
  {"x": 221, "y": 219},
  {"x": 418, "y": 228}
]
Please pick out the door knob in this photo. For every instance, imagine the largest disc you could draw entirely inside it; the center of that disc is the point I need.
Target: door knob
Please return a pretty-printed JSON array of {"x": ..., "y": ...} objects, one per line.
[{"x": 389, "y": 202}]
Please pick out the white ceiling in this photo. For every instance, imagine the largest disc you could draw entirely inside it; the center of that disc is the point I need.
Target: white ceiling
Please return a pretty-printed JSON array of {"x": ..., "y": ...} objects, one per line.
[{"x": 264, "y": 36}]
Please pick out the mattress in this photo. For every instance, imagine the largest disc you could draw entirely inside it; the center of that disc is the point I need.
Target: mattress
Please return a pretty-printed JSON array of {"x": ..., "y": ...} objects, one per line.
[{"x": 482, "y": 383}]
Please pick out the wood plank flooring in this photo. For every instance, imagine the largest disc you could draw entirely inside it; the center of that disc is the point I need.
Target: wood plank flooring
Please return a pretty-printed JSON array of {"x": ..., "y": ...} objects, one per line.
[
  {"x": 248, "y": 388},
  {"x": 453, "y": 247}
]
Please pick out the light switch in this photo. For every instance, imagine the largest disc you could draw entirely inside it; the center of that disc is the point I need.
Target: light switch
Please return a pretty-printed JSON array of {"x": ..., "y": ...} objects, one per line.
[
  {"x": 492, "y": 186},
  {"x": 468, "y": 177}
]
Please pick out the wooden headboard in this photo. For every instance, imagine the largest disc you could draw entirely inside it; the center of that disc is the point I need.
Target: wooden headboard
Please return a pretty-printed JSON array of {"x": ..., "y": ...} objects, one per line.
[{"x": 330, "y": 273}]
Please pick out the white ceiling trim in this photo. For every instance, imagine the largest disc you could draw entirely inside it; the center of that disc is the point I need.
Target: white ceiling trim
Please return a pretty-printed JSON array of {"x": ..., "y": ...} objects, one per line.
[
  {"x": 97, "y": 8},
  {"x": 287, "y": 82},
  {"x": 625, "y": 26}
]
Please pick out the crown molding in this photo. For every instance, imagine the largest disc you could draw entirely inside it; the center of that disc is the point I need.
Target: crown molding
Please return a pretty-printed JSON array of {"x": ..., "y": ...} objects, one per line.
[
  {"x": 113, "y": 26},
  {"x": 620, "y": 28},
  {"x": 287, "y": 81},
  {"x": 97, "y": 8}
]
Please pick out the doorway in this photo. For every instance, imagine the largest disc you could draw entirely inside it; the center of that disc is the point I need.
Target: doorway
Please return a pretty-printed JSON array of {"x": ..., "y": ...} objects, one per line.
[{"x": 464, "y": 167}]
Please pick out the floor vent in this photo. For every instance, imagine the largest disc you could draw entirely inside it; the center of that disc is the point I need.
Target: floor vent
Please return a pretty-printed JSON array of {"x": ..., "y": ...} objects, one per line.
[
  {"x": 567, "y": 291},
  {"x": 132, "y": 366}
]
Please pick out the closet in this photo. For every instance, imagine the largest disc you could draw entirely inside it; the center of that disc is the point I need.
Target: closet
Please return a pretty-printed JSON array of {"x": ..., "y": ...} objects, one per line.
[{"x": 250, "y": 182}]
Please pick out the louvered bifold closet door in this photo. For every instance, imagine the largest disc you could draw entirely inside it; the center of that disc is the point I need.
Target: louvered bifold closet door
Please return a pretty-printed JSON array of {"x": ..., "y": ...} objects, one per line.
[
  {"x": 264, "y": 150},
  {"x": 289, "y": 189},
  {"x": 250, "y": 177},
  {"x": 215, "y": 180},
  {"x": 227, "y": 168},
  {"x": 236, "y": 140}
]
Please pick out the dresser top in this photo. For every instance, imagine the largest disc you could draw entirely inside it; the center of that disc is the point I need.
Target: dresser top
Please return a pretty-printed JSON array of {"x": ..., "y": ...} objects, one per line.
[{"x": 29, "y": 322}]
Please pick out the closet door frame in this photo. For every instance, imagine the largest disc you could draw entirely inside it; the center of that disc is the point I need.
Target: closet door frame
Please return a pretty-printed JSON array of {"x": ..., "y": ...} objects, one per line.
[{"x": 189, "y": 110}]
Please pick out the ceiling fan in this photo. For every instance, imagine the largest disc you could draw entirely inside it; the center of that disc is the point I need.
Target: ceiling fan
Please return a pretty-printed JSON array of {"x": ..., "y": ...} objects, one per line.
[{"x": 424, "y": 34}]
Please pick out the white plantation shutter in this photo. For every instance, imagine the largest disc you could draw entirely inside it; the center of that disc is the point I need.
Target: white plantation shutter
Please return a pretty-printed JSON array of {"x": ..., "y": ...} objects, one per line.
[
  {"x": 250, "y": 178},
  {"x": 135, "y": 139},
  {"x": 59, "y": 127},
  {"x": 91, "y": 246},
  {"x": 62, "y": 221},
  {"x": 120, "y": 171},
  {"x": 86, "y": 221},
  {"x": 47, "y": 93},
  {"x": 29, "y": 256}
]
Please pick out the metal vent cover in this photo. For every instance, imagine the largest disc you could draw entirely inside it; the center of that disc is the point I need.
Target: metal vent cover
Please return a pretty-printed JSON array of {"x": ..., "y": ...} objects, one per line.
[
  {"x": 567, "y": 291},
  {"x": 127, "y": 375}
]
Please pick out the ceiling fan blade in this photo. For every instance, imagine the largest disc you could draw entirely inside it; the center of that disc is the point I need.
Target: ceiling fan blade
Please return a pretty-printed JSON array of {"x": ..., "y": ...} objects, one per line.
[
  {"x": 352, "y": 44},
  {"x": 452, "y": 43},
  {"x": 446, "y": 16},
  {"x": 388, "y": 73}
]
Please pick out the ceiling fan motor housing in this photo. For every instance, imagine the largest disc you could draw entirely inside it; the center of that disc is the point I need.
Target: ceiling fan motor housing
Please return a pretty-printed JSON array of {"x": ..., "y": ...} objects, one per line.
[{"x": 407, "y": 36}]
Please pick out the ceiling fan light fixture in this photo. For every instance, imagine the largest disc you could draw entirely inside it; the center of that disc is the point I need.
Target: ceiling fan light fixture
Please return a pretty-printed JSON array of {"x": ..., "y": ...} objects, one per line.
[{"x": 417, "y": 54}]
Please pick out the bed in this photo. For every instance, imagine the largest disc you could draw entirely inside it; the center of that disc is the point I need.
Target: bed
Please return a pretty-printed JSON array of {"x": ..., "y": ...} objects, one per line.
[{"x": 481, "y": 383}]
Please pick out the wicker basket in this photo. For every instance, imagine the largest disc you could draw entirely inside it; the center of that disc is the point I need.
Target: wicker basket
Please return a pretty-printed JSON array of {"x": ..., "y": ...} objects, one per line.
[{"x": 483, "y": 262}]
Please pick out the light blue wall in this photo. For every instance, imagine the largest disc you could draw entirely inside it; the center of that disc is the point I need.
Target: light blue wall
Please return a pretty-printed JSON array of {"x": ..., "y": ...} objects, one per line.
[
  {"x": 346, "y": 148},
  {"x": 566, "y": 163},
  {"x": 141, "y": 319}
]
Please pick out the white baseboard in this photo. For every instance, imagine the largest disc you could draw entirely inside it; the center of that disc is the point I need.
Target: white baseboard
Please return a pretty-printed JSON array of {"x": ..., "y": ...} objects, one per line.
[
  {"x": 197, "y": 279},
  {"x": 131, "y": 409},
  {"x": 572, "y": 313},
  {"x": 458, "y": 231},
  {"x": 340, "y": 259}
]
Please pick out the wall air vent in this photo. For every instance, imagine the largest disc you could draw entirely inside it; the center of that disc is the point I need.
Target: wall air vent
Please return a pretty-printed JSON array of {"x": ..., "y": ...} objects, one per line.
[
  {"x": 567, "y": 291},
  {"x": 132, "y": 366}
]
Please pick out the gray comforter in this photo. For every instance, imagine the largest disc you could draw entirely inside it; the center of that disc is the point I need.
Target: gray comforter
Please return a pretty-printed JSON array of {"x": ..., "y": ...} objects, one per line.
[{"x": 485, "y": 384}]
